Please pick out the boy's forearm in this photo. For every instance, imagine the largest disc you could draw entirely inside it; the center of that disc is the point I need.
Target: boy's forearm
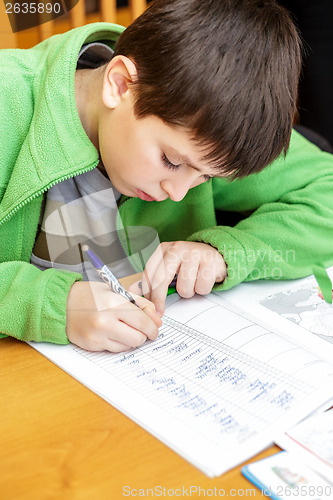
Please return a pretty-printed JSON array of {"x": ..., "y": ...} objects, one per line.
[
  {"x": 290, "y": 223},
  {"x": 33, "y": 302},
  {"x": 281, "y": 240}
]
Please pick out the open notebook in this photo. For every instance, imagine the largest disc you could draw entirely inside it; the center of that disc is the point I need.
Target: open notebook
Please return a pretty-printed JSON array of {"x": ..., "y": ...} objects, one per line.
[{"x": 228, "y": 372}]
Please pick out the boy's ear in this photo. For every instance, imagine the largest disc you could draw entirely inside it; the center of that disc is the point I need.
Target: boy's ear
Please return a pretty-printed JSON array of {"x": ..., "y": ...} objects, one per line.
[{"x": 119, "y": 74}]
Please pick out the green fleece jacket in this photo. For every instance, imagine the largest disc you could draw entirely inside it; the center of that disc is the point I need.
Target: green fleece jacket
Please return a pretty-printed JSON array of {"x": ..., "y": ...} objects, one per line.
[{"x": 276, "y": 224}]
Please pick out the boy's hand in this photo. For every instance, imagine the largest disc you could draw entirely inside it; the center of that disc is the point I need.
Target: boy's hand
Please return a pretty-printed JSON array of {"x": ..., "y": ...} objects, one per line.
[
  {"x": 198, "y": 265},
  {"x": 98, "y": 319}
]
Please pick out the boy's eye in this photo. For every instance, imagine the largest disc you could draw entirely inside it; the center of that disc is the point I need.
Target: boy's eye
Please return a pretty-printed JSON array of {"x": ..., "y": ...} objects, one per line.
[
  {"x": 168, "y": 163},
  {"x": 173, "y": 166}
]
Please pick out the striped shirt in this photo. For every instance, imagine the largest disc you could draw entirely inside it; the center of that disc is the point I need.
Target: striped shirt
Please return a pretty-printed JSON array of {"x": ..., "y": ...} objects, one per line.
[{"x": 81, "y": 210}]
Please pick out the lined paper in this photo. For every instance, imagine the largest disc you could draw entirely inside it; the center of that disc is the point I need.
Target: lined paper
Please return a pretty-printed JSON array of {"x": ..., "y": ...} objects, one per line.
[{"x": 216, "y": 386}]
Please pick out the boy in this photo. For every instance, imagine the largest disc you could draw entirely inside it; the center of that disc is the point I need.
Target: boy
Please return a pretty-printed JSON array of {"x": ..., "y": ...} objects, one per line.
[{"x": 194, "y": 90}]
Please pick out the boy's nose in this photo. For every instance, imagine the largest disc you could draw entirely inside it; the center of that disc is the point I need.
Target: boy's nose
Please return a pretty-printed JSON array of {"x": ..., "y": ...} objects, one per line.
[
  {"x": 178, "y": 187},
  {"x": 178, "y": 193}
]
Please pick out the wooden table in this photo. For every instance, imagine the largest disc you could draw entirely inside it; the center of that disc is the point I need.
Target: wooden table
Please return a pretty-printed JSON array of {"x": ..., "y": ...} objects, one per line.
[{"x": 59, "y": 440}]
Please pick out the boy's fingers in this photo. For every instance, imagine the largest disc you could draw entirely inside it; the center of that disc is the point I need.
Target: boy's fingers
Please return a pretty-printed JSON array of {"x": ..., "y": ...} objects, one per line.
[
  {"x": 205, "y": 280},
  {"x": 149, "y": 309},
  {"x": 157, "y": 302},
  {"x": 160, "y": 268},
  {"x": 126, "y": 324},
  {"x": 135, "y": 288},
  {"x": 154, "y": 264},
  {"x": 159, "y": 284},
  {"x": 158, "y": 296},
  {"x": 160, "y": 281},
  {"x": 139, "y": 324},
  {"x": 114, "y": 346},
  {"x": 186, "y": 281},
  {"x": 153, "y": 320}
]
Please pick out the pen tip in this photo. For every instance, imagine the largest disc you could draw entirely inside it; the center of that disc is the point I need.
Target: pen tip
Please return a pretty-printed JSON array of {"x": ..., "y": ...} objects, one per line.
[{"x": 85, "y": 248}]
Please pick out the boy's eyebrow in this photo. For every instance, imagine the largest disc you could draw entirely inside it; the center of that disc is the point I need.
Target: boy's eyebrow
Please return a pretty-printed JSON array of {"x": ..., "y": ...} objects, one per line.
[{"x": 188, "y": 162}]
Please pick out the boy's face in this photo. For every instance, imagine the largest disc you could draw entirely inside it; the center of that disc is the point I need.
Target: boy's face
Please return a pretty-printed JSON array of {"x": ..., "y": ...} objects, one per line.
[{"x": 146, "y": 157}]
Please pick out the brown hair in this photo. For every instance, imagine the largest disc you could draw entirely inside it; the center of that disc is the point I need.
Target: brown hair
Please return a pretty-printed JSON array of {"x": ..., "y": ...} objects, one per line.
[{"x": 227, "y": 70}]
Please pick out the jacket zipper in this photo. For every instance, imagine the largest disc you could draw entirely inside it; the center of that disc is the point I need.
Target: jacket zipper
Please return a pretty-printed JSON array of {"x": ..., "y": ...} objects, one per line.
[{"x": 43, "y": 190}]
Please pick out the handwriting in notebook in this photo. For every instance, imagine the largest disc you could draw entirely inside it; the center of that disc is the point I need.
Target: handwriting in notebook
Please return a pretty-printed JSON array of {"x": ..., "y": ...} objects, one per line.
[
  {"x": 218, "y": 391},
  {"x": 217, "y": 385}
]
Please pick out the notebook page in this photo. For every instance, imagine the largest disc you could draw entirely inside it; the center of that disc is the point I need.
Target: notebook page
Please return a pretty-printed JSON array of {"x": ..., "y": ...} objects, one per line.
[
  {"x": 293, "y": 307},
  {"x": 215, "y": 386}
]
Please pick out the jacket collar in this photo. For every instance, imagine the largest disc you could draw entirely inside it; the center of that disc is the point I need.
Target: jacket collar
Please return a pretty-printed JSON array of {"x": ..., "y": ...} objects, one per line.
[{"x": 56, "y": 146}]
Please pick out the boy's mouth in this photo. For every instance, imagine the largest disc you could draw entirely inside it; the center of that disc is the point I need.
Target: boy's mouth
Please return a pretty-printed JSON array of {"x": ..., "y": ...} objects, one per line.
[{"x": 144, "y": 196}]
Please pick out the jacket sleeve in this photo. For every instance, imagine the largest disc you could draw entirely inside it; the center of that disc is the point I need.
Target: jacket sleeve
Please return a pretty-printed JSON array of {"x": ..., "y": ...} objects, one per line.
[
  {"x": 33, "y": 302},
  {"x": 287, "y": 224}
]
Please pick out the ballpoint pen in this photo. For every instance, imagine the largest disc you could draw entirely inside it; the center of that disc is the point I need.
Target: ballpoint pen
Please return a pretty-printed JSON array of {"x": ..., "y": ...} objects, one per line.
[{"x": 107, "y": 276}]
